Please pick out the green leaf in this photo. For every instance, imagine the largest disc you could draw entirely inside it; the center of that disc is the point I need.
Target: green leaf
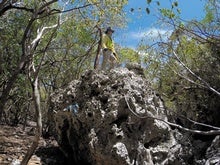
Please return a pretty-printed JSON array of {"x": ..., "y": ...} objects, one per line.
[
  {"x": 178, "y": 11},
  {"x": 167, "y": 13},
  {"x": 148, "y": 1},
  {"x": 158, "y": 3},
  {"x": 175, "y": 4},
  {"x": 148, "y": 10}
]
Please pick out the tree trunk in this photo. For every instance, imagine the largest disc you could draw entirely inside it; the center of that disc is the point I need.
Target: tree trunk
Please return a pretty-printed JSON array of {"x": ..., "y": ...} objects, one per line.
[
  {"x": 96, "y": 63},
  {"x": 36, "y": 99}
]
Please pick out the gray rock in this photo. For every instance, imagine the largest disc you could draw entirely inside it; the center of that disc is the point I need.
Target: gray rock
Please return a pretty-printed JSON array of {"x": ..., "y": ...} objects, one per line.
[
  {"x": 114, "y": 123},
  {"x": 213, "y": 152}
]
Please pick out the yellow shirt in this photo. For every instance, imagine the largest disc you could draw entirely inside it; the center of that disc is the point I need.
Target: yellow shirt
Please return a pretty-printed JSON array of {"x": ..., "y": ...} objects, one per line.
[{"x": 108, "y": 43}]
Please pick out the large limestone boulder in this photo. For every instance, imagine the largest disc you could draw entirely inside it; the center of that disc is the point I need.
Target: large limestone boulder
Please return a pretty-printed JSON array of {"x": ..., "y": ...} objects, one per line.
[
  {"x": 213, "y": 152},
  {"x": 108, "y": 118}
]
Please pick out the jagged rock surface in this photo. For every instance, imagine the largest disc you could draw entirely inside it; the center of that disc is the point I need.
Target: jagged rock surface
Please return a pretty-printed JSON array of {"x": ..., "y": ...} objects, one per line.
[
  {"x": 108, "y": 118},
  {"x": 213, "y": 152}
]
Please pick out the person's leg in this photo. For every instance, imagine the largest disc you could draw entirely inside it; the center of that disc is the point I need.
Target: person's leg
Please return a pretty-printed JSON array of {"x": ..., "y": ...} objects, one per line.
[
  {"x": 104, "y": 60},
  {"x": 112, "y": 61},
  {"x": 106, "y": 57}
]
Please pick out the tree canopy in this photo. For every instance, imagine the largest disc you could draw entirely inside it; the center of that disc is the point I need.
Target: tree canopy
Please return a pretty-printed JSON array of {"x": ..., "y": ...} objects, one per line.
[{"x": 46, "y": 44}]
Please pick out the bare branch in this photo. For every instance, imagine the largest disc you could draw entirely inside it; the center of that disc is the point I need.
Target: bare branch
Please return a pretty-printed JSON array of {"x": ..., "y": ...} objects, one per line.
[
  {"x": 7, "y": 5},
  {"x": 184, "y": 77},
  {"x": 196, "y": 76},
  {"x": 22, "y": 8},
  {"x": 211, "y": 132},
  {"x": 40, "y": 34},
  {"x": 56, "y": 11},
  {"x": 47, "y": 4}
]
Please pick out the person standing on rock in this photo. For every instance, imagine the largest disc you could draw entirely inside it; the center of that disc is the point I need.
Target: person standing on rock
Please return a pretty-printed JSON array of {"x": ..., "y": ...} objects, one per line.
[{"x": 110, "y": 57}]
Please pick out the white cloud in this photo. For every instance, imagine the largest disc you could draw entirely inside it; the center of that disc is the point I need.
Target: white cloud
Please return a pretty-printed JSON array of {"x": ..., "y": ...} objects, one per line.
[
  {"x": 151, "y": 33},
  {"x": 132, "y": 39}
]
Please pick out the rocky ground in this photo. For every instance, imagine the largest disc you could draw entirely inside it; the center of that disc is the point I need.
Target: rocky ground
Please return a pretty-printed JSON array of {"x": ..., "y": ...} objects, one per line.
[{"x": 14, "y": 142}]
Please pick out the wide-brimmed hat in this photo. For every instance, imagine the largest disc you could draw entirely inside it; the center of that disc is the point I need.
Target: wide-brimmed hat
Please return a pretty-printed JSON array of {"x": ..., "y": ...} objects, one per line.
[{"x": 109, "y": 29}]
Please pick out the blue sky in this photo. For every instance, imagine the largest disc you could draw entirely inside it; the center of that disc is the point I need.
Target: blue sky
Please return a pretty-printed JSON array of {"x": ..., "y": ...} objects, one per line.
[{"x": 141, "y": 25}]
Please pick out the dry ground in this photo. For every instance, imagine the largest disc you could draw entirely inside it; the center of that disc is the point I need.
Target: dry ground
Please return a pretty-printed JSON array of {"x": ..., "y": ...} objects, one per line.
[{"x": 14, "y": 142}]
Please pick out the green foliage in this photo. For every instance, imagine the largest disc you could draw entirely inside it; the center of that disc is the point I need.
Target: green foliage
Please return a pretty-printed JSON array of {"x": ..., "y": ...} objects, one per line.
[
  {"x": 148, "y": 8},
  {"x": 10, "y": 37},
  {"x": 171, "y": 79},
  {"x": 209, "y": 17},
  {"x": 167, "y": 13},
  {"x": 64, "y": 51},
  {"x": 148, "y": 1},
  {"x": 129, "y": 55},
  {"x": 174, "y": 4},
  {"x": 196, "y": 44}
]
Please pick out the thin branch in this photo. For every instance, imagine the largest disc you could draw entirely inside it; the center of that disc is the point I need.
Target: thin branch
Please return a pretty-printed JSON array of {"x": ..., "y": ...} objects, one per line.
[
  {"x": 211, "y": 132},
  {"x": 56, "y": 11},
  {"x": 77, "y": 8},
  {"x": 188, "y": 79},
  {"x": 196, "y": 76},
  {"x": 21, "y": 8},
  {"x": 202, "y": 124},
  {"x": 186, "y": 118},
  {"x": 47, "y": 4},
  {"x": 40, "y": 34}
]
